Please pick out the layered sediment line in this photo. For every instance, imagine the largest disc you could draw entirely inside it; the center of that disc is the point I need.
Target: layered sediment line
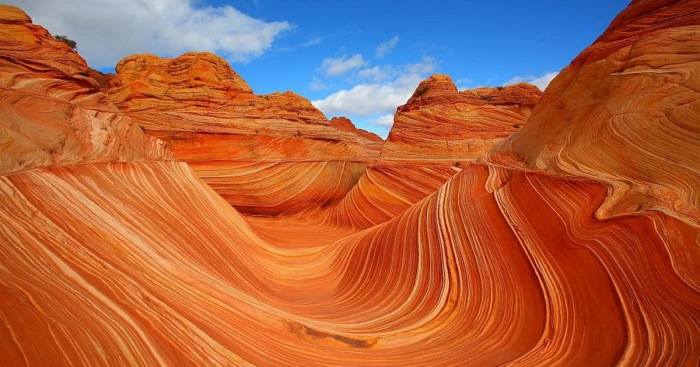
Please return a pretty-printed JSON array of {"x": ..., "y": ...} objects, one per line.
[{"x": 636, "y": 128}]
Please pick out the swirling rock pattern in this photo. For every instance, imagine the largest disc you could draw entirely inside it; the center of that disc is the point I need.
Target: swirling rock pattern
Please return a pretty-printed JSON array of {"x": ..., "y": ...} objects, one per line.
[
  {"x": 274, "y": 188},
  {"x": 141, "y": 263},
  {"x": 641, "y": 111},
  {"x": 385, "y": 191},
  {"x": 51, "y": 113},
  {"x": 148, "y": 282}
]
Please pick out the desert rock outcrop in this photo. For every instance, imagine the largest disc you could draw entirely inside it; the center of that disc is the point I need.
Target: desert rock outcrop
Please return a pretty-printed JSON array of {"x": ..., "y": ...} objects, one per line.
[
  {"x": 436, "y": 134},
  {"x": 640, "y": 114},
  {"x": 440, "y": 123},
  {"x": 210, "y": 118},
  {"x": 51, "y": 112}
]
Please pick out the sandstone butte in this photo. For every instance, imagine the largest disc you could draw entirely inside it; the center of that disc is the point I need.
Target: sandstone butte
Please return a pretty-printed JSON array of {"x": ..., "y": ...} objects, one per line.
[
  {"x": 440, "y": 123},
  {"x": 249, "y": 148},
  {"x": 115, "y": 254}
]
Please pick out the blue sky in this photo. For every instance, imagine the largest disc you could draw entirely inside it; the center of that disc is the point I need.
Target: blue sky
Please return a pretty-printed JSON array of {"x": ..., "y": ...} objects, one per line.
[{"x": 359, "y": 59}]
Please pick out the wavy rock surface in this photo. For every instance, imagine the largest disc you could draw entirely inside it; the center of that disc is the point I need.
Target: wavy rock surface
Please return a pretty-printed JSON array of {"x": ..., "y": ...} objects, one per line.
[
  {"x": 210, "y": 118},
  {"x": 51, "y": 113},
  {"x": 641, "y": 114},
  {"x": 151, "y": 283},
  {"x": 387, "y": 190},
  {"x": 440, "y": 123},
  {"x": 141, "y": 263},
  {"x": 437, "y": 133}
]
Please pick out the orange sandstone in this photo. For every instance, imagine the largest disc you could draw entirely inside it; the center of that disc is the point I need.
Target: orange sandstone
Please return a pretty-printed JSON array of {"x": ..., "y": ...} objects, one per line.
[
  {"x": 51, "y": 112},
  {"x": 122, "y": 257},
  {"x": 441, "y": 124},
  {"x": 625, "y": 114},
  {"x": 210, "y": 118}
]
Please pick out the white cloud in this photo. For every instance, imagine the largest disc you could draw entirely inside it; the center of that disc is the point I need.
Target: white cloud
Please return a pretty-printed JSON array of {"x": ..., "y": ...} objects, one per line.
[
  {"x": 312, "y": 42},
  {"x": 540, "y": 82},
  {"x": 363, "y": 100},
  {"x": 384, "y": 120},
  {"x": 386, "y": 47},
  {"x": 377, "y": 73},
  {"x": 109, "y": 30},
  {"x": 318, "y": 84},
  {"x": 377, "y": 99},
  {"x": 341, "y": 65}
]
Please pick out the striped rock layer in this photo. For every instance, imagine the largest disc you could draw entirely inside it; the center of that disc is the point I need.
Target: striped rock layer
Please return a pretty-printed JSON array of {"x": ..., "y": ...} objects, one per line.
[
  {"x": 640, "y": 114},
  {"x": 122, "y": 261},
  {"x": 437, "y": 133},
  {"x": 443, "y": 125}
]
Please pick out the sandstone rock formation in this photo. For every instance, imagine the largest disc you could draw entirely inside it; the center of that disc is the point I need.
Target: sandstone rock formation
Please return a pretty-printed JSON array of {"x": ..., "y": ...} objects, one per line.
[
  {"x": 51, "y": 113},
  {"x": 640, "y": 114},
  {"x": 370, "y": 141},
  {"x": 198, "y": 95},
  {"x": 210, "y": 118},
  {"x": 130, "y": 259},
  {"x": 440, "y": 123},
  {"x": 436, "y": 134}
]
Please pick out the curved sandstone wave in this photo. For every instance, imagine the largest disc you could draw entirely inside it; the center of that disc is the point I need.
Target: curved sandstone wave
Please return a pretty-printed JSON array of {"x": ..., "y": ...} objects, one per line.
[
  {"x": 386, "y": 191},
  {"x": 272, "y": 187},
  {"x": 640, "y": 114},
  {"x": 151, "y": 283},
  {"x": 140, "y": 263}
]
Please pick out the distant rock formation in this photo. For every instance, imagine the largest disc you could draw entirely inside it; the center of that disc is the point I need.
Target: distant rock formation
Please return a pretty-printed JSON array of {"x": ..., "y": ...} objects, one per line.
[
  {"x": 371, "y": 141},
  {"x": 441, "y": 124},
  {"x": 199, "y": 94},
  {"x": 435, "y": 135},
  {"x": 232, "y": 138}
]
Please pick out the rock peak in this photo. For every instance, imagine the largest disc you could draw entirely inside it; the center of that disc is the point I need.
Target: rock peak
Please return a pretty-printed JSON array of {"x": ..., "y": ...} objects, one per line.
[
  {"x": 440, "y": 122},
  {"x": 190, "y": 70},
  {"x": 344, "y": 124},
  {"x": 436, "y": 85},
  {"x": 12, "y": 15}
]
